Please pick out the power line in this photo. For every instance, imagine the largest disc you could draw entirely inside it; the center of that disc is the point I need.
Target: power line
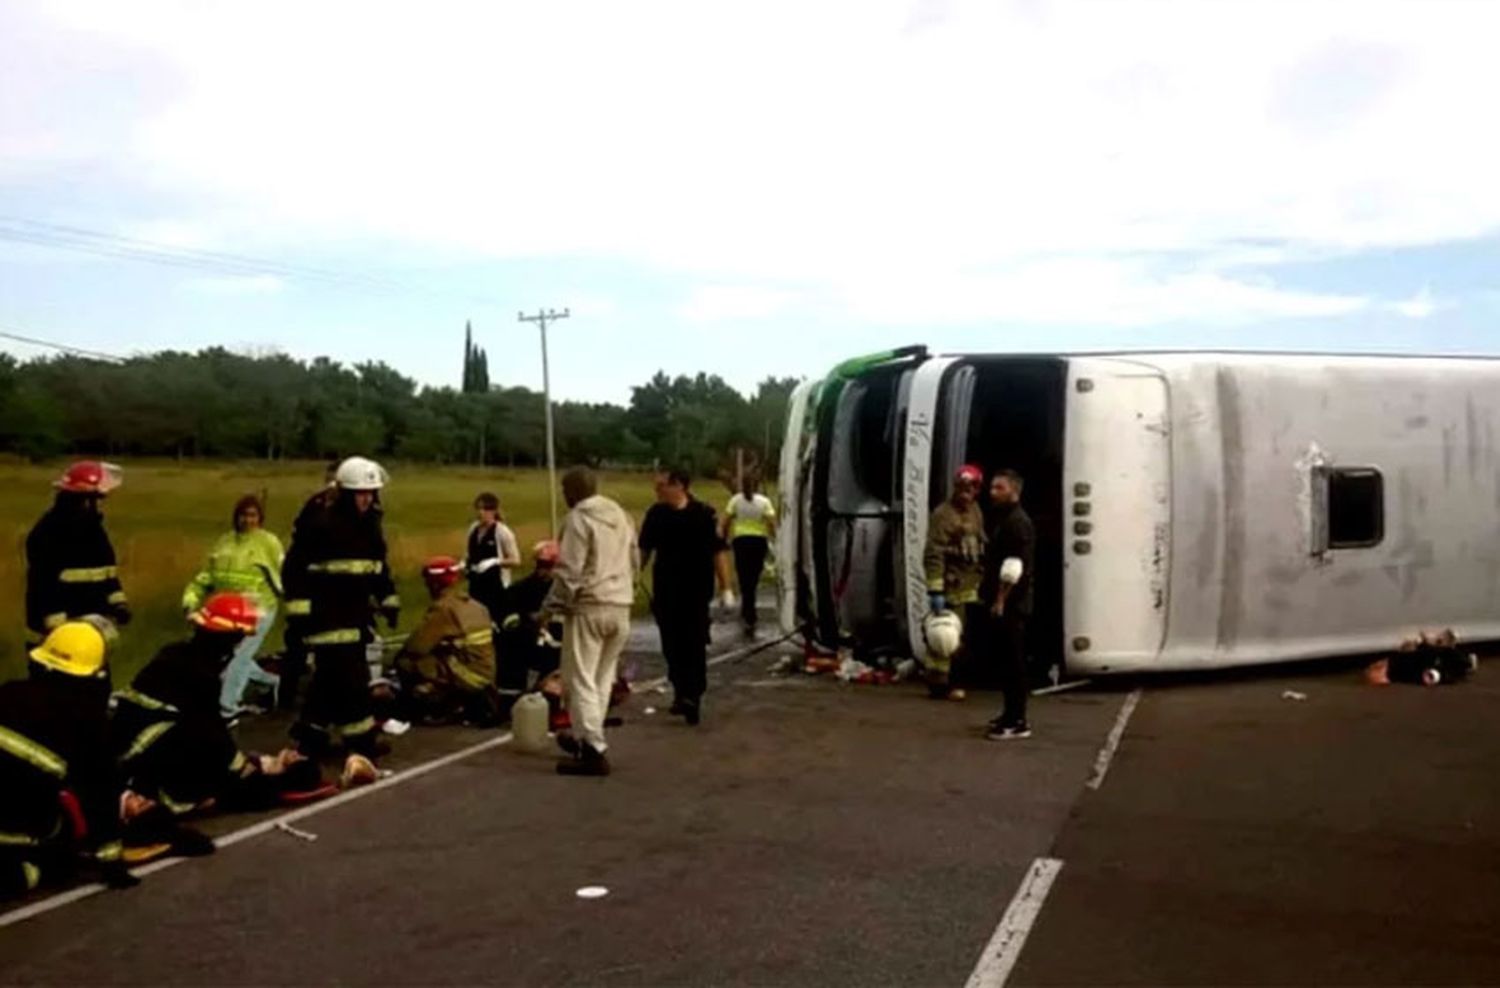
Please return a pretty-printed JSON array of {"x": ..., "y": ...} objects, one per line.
[
  {"x": 65, "y": 348},
  {"x": 62, "y": 237}
]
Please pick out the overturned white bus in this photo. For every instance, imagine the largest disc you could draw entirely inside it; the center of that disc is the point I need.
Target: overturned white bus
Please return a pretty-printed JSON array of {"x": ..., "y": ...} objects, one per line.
[{"x": 1193, "y": 510}]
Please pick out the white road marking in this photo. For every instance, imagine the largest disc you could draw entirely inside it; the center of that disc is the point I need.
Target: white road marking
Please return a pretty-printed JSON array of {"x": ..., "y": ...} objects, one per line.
[
  {"x": 1112, "y": 743},
  {"x": 1004, "y": 949},
  {"x": 256, "y": 829}
]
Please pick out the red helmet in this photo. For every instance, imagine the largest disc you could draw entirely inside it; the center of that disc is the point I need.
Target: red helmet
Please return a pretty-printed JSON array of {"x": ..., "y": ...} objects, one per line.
[
  {"x": 228, "y": 612},
  {"x": 442, "y": 570},
  {"x": 547, "y": 552},
  {"x": 969, "y": 473},
  {"x": 89, "y": 477}
]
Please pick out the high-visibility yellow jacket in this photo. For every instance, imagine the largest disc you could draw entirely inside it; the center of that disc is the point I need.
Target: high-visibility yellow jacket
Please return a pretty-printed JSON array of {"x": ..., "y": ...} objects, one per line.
[{"x": 242, "y": 562}]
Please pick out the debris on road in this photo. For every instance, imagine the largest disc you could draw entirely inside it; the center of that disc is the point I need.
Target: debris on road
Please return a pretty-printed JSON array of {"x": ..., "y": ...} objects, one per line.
[
  {"x": 1431, "y": 658},
  {"x": 287, "y": 828},
  {"x": 649, "y": 711},
  {"x": 1293, "y": 695},
  {"x": 393, "y": 727},
  {"x": 592, "y": 892}
]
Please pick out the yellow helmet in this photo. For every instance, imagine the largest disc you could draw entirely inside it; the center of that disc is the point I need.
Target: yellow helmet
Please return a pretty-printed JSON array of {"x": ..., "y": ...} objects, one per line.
[{"x": 78, "y": 648}]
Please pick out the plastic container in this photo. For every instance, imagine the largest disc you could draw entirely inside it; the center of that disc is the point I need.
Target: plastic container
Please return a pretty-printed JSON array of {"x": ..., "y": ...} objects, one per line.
[{"x": 528, "y": 723}]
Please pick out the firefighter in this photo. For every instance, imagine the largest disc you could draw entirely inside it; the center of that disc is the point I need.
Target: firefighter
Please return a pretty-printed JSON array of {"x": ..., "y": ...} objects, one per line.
[
  {"x": 528, "y": 643},
  {"x": 174, "y": 749},
  {"x": 447, "y": 666},
  {"x": 954, "y": 565},
  {"x": 59, "y": 788},
  {"x": 336, "y": 578},
  {"x": 294, "y": 652},
  {"x": 70, "y": 564}
]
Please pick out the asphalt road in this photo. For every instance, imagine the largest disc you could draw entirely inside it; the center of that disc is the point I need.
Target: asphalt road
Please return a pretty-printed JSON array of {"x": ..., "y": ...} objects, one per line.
[{"x": 814, "y": 833}]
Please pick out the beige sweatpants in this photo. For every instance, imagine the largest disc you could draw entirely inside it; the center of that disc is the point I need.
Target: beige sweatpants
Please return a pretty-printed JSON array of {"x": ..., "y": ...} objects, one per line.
[{"x": 592, "y": 642}]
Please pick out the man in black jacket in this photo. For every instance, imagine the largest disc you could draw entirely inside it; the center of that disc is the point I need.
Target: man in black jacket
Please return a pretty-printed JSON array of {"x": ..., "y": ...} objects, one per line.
[
  {"x": 1007, "y": 590},
  {"x": 70, "y": 563},
  {"x": 681, "y": 534}
]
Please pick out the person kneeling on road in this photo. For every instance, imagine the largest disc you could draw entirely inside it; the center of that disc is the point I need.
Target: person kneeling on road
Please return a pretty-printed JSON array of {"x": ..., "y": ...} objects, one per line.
[
  {"x": 447, "y": 666},
  {"x": 593, "y": 590},
  {"x": 176, "y": 751},
  {"x": 528, "y": 644},
  {"x": 59, "y": 789}
]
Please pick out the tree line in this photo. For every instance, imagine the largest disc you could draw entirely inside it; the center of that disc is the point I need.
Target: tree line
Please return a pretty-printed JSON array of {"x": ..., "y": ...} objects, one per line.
[{"x": 215, "y": 403}]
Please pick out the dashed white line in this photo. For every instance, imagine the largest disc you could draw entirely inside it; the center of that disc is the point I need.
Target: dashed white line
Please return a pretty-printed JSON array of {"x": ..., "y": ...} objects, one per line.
[
  {"x": 1112, "y": 744},
  {"x": 256, "y": 829},
  {"x": 1004, "y": 949}
]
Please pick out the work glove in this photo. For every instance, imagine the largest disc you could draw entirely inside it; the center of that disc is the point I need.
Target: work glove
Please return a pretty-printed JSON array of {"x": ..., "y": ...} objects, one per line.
[
  {"x": 937, "y": 603},
  {"x": 117, "y": 876}
]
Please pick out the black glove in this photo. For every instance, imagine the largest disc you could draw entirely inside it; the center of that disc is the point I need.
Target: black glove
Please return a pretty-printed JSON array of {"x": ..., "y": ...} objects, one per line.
[
  {"x": 117, "y": 876},
  {"x": 120, "y": 614}
]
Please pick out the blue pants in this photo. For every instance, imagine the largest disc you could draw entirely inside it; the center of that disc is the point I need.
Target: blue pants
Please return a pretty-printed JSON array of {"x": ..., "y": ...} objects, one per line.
[{"x": 243, "y": 669}]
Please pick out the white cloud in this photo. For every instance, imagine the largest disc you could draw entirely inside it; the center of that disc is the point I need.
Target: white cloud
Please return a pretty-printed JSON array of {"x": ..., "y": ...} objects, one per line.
[
  {"x": 1419, "y": 306},
  {"x": 718, "y": 303},
  {"x": 877, "y": 154}
]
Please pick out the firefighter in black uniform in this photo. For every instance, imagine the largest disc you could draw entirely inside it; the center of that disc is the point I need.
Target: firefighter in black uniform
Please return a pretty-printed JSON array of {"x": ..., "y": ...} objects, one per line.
[
  {"x": 294, "y": 653},
  {"x": 172, "y": 744},
  {"x": 70, "y": 564},
  {"x": 59, "y": 789},
  {"x": 337, "y": 575}
]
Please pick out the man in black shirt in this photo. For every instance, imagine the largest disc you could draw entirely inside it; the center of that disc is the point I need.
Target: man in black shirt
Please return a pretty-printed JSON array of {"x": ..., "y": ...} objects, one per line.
[
  {"x": 1007, "y": 590},
  {"x": 680, "y": 533}
]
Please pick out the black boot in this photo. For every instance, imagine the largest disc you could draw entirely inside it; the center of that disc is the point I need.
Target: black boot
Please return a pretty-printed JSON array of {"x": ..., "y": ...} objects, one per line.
[
  {"x": 692, "y": 711},
  {"x": 569, "y": 744},
  {"x": 588, "y": 762}
]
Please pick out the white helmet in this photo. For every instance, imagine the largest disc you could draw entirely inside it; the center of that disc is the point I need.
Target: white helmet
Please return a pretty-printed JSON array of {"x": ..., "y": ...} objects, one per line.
[
  {"x": 944, "y": 632},
  {"x": 359, "y": 474}
]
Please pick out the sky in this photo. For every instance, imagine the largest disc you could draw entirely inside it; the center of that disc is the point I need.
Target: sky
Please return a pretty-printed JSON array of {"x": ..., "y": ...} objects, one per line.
[{"x": 749, "y": 189}]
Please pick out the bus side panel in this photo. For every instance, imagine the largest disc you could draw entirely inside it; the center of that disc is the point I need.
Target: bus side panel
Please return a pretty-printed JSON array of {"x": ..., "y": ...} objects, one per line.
[
  {"x": 1117, "y": 492},
  {"x": 789, "y": 494}
]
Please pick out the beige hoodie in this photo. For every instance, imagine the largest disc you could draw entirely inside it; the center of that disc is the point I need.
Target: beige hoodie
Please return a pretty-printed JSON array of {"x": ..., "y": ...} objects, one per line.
[{"x": 599, "y": 558}]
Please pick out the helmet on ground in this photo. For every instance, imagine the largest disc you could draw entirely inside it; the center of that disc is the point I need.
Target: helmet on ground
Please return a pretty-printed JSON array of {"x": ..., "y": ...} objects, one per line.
[
  {"x": 943, "y": 632},
  {"x": 547, "y": 552},
  {"x": 228, "y": 612},
  {"x": 77, "y": 648},
  {"x": 443, "y": 571},
  {"x": 90, "y": 477},
  {"x": 359, "y": 474},
  {"x": 969, "y": 474}
]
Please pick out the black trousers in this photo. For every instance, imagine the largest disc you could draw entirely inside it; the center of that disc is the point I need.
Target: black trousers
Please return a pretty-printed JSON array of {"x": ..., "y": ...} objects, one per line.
[
  {"x": 749, "y": 563},
  {"x": 1007, "y": 640},
  {"x": 337, "y": 698},
  {"x": 684, "y": 644}
]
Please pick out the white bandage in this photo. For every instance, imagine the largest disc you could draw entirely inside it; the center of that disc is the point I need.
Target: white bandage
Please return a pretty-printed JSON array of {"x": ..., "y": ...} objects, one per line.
[{"x": 1011, "y": 570}]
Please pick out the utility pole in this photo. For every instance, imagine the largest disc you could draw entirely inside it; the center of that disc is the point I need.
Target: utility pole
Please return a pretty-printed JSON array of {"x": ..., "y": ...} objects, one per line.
[{"x": 542, "y": 318}]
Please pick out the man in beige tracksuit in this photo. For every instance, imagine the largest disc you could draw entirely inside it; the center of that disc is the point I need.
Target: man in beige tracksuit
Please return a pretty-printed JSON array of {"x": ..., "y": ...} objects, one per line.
[{"x": 593, "y": 589}]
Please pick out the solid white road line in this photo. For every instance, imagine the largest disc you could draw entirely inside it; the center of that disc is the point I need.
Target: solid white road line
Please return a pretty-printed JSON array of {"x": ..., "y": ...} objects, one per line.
[
  {"x": 1112, "y": 743},
  {"x": 1004, "y": 949},
  {"x": 256, "y": 829}
]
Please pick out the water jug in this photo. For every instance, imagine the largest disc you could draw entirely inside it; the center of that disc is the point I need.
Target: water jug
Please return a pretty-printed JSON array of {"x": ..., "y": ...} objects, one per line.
[{"x": 528, "y": 722}]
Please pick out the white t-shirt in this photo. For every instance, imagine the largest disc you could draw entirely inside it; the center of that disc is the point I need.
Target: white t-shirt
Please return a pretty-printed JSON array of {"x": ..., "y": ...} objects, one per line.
[{"x": 749, "y": 516}]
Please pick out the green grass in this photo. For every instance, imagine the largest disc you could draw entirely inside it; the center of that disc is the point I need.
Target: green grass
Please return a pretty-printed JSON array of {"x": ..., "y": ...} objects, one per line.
[{"x": 167, "y": 515}]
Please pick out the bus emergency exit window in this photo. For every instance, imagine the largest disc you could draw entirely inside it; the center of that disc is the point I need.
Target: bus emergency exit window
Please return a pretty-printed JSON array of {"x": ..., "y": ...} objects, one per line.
[{"x": 1356, "y": 507}]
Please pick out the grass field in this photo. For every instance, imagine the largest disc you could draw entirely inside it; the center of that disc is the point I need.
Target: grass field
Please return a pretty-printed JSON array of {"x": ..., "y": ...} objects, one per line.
[{"x": 167, "y": 515}]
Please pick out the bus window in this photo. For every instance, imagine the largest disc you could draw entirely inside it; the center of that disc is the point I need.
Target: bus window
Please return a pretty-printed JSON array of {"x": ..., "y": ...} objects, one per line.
[{"x": 863, "y": 461}]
